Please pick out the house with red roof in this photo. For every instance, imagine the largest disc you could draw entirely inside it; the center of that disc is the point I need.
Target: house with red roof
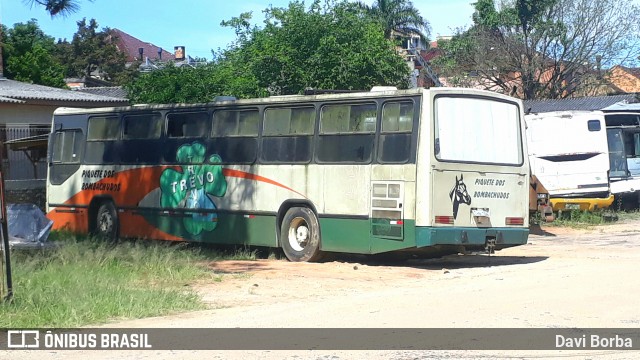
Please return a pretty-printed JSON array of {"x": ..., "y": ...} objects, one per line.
[
  {"x": 625, "y": 79},
  {"x": 138, "y": 50}
]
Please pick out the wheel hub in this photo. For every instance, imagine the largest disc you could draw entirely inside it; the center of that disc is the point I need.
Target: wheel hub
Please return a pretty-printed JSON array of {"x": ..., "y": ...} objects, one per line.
[
  {"x": 298, "y": 234},
  {"x": 105, "y": 223}
]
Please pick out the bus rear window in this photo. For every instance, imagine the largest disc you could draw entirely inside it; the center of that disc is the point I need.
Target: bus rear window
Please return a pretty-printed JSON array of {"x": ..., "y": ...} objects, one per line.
[{"x": 477, "y": 130}]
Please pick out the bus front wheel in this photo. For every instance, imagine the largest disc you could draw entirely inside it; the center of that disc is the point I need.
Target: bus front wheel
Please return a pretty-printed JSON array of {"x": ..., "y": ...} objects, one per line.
[
  {"x": 107, "y": 221},
  {"x": 300, "y": 235}
]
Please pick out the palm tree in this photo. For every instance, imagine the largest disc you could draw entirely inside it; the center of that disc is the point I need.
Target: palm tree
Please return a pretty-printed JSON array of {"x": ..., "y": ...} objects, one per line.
[
  {"x": 398, "y": 15},
  {"x": 57, "y": 7}
]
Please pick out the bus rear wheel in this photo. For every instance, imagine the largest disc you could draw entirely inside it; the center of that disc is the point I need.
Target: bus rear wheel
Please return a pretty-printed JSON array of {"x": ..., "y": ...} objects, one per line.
[
  {"x": 107, "y": 222},
  {"x": 300, "y": 235}
]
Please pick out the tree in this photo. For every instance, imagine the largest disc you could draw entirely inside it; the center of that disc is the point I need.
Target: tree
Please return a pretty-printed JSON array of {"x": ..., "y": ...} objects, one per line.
[
  {"x": 545, "y": 48},
  {"x": 93, "y": 53},
  {"x": 398, "y": 15},
  {"x": 329, "y": 46},
  {"x": 173, "y": 84},
  {"x": 54, "y": 7},
  {"x": 29, "y": 56}
]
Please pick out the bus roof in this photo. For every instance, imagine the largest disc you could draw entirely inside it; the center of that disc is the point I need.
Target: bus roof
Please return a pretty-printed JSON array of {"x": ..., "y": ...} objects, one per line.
[{"x": 283, "y": 99}]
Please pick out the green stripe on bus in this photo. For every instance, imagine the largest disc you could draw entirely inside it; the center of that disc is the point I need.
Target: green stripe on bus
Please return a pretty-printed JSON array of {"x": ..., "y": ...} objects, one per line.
[
  {"x": 232, "y": 229},
  {"x": 354, "y": 236}
]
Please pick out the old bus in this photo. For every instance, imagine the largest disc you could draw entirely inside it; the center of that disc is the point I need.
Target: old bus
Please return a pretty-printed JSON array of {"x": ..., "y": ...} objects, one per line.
[
  {"x": 569, "y": 155},
  {"x": 366, "y": 172}
]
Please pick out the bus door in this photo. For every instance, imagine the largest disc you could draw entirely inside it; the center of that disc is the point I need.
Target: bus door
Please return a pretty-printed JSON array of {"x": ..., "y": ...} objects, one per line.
[{"x": 387, "y": 210}]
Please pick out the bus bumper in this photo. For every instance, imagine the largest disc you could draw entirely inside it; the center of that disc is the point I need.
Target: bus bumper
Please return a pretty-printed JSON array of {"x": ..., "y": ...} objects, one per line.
[
  {"x": 471, "y": 237},
  {"x": 586, "y": 204}
]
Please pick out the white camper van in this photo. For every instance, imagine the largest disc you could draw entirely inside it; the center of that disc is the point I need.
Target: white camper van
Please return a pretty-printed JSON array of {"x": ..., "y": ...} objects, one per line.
[{"x": 568, "y": 153}]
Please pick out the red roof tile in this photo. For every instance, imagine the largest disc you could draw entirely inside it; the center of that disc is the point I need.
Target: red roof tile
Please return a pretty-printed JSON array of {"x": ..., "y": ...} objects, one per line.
[
  {"x": 633, "y": 71},
  {"x": 130, "y": 45}
]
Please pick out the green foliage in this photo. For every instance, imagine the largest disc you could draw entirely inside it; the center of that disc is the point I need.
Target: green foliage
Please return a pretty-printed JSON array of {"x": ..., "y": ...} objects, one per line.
[
  {"x": 331, "y": 45},
  {"x": 28, "y": 56},
  {"x": 87, "y": 282},
  {"x": 38, "y": 67},
  {"x": 93, "y": 52},
  {"x": 172, "y": 85}
]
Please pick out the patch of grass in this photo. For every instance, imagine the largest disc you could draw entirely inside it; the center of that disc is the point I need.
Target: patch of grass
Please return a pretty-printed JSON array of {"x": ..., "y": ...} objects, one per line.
[
  {"x": 85, "y": 281},
  {"x": 581, "y": 219},
  {"x": 628, "y": 215}
]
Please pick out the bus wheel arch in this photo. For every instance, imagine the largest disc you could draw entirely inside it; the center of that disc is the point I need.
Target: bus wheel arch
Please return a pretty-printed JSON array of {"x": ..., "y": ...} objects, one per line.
[
  {"x": 299, "y": 231},
  {"x": 103, "y": 218}
]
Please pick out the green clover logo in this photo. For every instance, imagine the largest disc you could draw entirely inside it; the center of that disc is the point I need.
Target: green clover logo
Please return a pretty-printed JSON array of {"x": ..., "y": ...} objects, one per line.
[{"x": 190, "y": 188}]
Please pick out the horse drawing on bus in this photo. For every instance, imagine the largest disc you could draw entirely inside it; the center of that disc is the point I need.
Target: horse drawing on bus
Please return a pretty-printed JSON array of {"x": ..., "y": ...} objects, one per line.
[{"x": 459, "y": 195}]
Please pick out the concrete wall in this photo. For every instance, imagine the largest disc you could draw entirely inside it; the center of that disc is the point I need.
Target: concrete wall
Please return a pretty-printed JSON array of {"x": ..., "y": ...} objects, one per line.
[{"x": 23, "y": 114}]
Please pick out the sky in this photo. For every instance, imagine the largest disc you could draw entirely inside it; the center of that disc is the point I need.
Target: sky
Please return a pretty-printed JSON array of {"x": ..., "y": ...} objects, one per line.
[{"x": 195, "y": 24}]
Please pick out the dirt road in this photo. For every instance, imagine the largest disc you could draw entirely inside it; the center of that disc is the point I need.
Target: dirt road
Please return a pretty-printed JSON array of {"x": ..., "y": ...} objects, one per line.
[{"x": 562, "y": 278}]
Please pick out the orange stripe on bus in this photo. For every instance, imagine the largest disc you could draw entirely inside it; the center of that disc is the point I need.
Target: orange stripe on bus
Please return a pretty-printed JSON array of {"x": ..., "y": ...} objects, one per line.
[{"x": 135, "y": 184}]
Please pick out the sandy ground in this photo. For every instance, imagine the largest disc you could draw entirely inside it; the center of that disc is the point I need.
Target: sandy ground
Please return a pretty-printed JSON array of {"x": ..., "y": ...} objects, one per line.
[{"x": 564, "y": 278}]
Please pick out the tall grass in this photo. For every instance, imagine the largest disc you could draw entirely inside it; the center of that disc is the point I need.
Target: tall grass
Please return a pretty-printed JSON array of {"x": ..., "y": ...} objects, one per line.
[
  {"x": 85, "y": 281},
  {"x": 582, "y": 219}
]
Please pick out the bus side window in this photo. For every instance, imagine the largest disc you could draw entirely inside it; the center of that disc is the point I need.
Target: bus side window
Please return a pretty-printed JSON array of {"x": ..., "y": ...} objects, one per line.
[
  {"x": 102, "y": 134},
  {"x": 287, "y": 134},
  {"x": 234, "y": 135},
  {"x": 145, "y": 126},
  {"x": 187, "y": 124},
  {"x": 395, "y": 135},
  {"x": 67, "y": 147},
  {"x": 141, "y": 138},
  {"x": 593, "y": 125},
  {"x": 347, "y": 133}
]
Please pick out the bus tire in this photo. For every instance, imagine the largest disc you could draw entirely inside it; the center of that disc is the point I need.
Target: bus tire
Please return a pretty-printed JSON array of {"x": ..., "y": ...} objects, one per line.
[
  {"x": 300, "y": 235},
  {"x": 107, "y": 225}
]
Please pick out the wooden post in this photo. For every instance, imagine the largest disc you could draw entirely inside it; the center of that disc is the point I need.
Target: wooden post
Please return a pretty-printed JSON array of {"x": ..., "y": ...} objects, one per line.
[{"x": 6, "y": 260}]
